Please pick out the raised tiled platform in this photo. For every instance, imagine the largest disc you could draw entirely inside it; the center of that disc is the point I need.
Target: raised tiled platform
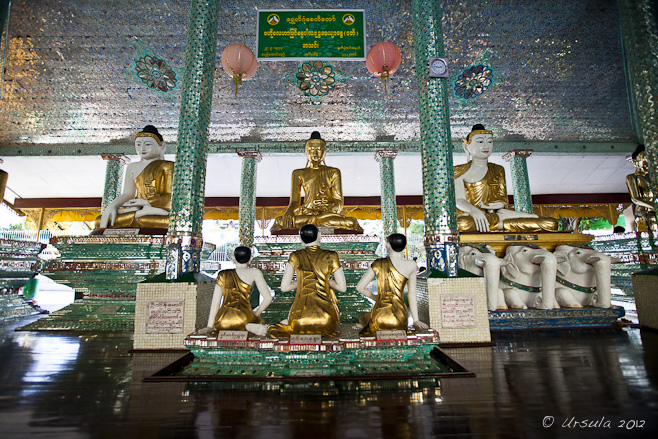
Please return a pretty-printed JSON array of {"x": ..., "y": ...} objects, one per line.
[
  {"x": 104, "y": 271},
  {"x": 335, "y": 358},
  {"x": 555, "y": 318},
  {"x": 88, "y": 315},
  {"x": 13, "y": 306},
  {"x": 630, "y": 252},
  {"x": 18, "y": 264}
]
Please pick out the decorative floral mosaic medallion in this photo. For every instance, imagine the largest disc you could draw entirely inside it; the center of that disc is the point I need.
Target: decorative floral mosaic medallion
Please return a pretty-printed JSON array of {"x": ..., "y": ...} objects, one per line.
[
  {"x": 150, "y": 69},
  {"x": 315, "y": 78},
  {"x": 473, "y": 81},
  {"x": 156, "y": 73}
]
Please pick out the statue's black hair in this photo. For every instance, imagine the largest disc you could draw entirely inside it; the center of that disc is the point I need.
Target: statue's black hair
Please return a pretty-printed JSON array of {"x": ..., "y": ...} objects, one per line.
[
  {"x": 637, "y": 151},
  {"x": 308, "y": 233},
  {"x": 152, "y": 130},
  {"x": 398, "y": 241},
  {"x": 242, "y": 254}
]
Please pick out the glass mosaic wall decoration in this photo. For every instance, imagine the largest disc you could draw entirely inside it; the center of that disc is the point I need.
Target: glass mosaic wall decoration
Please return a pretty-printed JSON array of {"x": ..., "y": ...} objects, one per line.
[
  {"x": 316, "y": 79},
  {"x": 151, "y": 70},
  {"x": 473, "y": 81}
]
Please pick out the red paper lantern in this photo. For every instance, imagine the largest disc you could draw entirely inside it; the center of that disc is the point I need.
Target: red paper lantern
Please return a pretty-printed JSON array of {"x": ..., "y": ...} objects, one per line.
[
  {"x": 239, "y": 62},
  {"x": 383, "y": 60}
]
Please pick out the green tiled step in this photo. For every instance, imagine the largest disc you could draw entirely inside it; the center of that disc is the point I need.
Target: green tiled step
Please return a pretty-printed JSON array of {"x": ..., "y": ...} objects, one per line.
[
  {"x": 12, "y": 306},
  {"x": 89, "y": 315}
]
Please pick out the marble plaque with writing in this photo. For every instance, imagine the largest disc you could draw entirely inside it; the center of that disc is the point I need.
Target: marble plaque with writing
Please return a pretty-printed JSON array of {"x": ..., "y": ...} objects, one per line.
[
  {"x": 458, "y": 311},
  {"x": 232, "y": 335},
  {"x": 165, "y": 316},
  {"x": 305, "y": 339},
  {"x": 391, "y": 335}
]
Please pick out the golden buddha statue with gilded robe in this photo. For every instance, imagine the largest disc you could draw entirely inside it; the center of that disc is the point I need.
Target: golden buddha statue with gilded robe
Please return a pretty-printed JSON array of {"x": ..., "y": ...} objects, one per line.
[
  {"x": 233, "y": 290},
  {"x": 392, "y": 273},
  {"x": 146, "y": 198},
  {"x": 323, "y": 194},
  {"x": 481, "y": 193},
  {"x": 314, "y": 310},
  {"x": 640, "y": 190}
]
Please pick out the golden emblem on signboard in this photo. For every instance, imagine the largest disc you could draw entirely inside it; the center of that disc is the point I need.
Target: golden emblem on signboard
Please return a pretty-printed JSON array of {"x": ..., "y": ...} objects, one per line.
[
  {"x": 348, "y": 19},
  {"x": 273, "y": 19}
]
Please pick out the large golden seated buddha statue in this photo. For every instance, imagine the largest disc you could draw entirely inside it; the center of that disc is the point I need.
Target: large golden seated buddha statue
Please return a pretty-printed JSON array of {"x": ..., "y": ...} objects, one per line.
[
  {"x": 481, "y": 193},
  {"x": 640, "y": 190},
  {"x": 323, "y": 194},
  {"x": 146, "y": 198}
]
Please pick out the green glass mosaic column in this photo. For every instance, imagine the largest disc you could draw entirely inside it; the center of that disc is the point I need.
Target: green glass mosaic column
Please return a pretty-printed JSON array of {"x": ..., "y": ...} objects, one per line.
[
  {"x": 387, "y": 180},
  {"x": 113, "y": 177},
  {"x": 187, "y": 202},
  {"x": 441, "y": 237},
  {"x": 247, "y": 208},
  {"x": 639, "y": 28},
  {"x": 520, "y": 181}
]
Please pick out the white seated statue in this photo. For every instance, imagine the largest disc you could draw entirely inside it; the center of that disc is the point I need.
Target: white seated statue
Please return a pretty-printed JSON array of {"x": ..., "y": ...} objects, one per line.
[{"x": 481, "y": 193}]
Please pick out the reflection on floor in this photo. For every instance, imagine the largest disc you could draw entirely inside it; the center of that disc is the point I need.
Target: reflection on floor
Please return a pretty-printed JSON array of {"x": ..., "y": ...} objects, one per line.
[{"x": 531, "y": 384}]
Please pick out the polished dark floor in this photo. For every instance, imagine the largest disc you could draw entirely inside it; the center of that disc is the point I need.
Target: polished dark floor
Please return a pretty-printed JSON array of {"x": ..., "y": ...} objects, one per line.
[{"x": 530, "y": 385}]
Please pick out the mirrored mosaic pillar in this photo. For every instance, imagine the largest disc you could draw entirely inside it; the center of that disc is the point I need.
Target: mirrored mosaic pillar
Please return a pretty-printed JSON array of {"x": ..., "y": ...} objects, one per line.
[
  {"x": 387, "y": 180},
  {"x": 184, "y": 237},
  {"x": 441, "y": 237},
  {"x": 639, "y": 28},
  {"x": 113, "y": 177},
  {"x": 247, "y": 208},
  {"x": 520, "y": 181}
]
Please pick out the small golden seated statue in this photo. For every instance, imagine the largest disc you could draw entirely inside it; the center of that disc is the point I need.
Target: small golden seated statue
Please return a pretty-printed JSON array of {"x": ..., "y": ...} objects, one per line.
[
  {"x": 639, "y": 188},
  {"x": 315, "y": 309},
  {"x": 233, "y": 290},
  {"x": 481, "y": 193},
  {"x": 323, "y": 194},
  {"x": 146, "y": 198},
  {"x": 393, "y": 274}
]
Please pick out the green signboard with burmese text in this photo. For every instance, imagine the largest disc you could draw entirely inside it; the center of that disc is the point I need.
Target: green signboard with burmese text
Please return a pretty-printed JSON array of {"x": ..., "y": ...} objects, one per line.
[{"x": 316, "y": 34}]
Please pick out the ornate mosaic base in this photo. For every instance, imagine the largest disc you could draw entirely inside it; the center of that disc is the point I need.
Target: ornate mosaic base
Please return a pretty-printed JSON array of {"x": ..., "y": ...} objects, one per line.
[
  {"x": 105, "y": 271},
  {"x": 555, "y": 318},
  {"x": 13, "y": 306},
  {"x": 633, "y": 252},
  {"x": 353, "y": 358},
  {"x": 499, "y": 241},
  {"x": 88, "y": 315},
  {"x": 356, "y": 253},
  {"x": 18, "y": 262},
  {"x": 106, "y": 267}
]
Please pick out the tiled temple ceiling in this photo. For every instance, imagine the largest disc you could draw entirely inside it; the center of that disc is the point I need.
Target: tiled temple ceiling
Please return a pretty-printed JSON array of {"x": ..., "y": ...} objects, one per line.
[{"x": 557, "y": 68}]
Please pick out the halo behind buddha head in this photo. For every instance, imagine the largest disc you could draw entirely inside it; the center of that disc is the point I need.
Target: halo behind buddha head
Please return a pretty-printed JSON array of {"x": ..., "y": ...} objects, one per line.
[
  {"x": 152, "y": 132},
  {"x": 315, "y": 139}
]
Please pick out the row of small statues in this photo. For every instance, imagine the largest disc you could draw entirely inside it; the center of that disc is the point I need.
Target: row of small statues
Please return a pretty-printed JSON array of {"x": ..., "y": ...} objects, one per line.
[
  {"x": 530, "y": 276},
  {"x": 316, "y": 274},
  {"x": 480, "y": 189}
]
